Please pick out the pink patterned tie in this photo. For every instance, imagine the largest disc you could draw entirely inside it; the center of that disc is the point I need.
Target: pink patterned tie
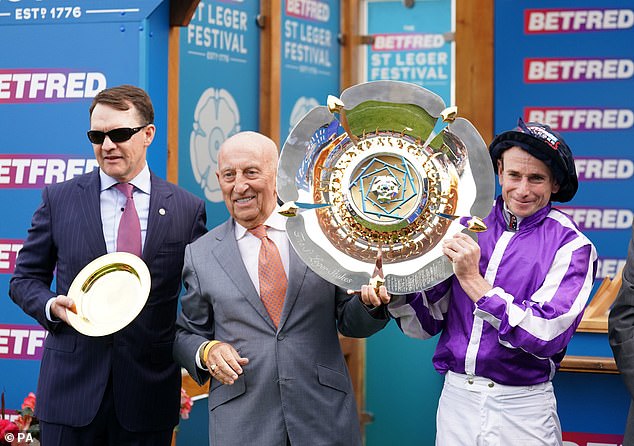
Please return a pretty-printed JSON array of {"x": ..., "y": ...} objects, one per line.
[
  {"x": 273, "y": 279},
  {"x": 129, "y": 235}
]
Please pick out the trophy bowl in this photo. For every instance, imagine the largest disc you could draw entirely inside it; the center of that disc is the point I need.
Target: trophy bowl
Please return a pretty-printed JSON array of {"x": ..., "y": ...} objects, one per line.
[{"x": 374, "y": 180}]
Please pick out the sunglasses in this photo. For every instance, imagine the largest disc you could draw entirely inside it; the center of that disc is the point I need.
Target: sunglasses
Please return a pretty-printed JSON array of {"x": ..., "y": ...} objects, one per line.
[{"x": 116, "y": 135}]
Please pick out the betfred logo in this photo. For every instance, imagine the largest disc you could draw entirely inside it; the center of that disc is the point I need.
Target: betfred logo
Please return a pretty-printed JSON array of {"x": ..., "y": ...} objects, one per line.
[
  {"x": 407, "y": 42},
  {"x": 540, "y": 21},
  {"x": 599, "y": 218},
  {"x": 37, "y": 171},
  {"x": 21, "y": 85},
  {"x": 581, "y": 119},
  {"x": 593, "y": 169},
  {"x": 576, "y": 70},
  {"x": 308, "y": 9},
  {"x": 21, "y": 341},
  {"x": 8, "y": 254}
]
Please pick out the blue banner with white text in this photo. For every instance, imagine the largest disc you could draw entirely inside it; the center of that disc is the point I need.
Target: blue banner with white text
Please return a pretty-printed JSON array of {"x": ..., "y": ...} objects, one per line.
[
  {"x": 412, "y": 44},
  {"x": 56, "y": 56},
  {"x": 570, "y": 64},
  {"x": 310, "y": 59},
  {"x": 218, "y": 92}
]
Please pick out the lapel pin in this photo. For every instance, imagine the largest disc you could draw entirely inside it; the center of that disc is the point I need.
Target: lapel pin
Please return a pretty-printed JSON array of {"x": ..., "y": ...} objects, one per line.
[{"x": 162, "y": 211}]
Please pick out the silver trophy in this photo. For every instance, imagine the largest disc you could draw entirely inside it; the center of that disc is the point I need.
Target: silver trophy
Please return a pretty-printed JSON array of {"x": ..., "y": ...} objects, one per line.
[{"x": 374, "y": 180}]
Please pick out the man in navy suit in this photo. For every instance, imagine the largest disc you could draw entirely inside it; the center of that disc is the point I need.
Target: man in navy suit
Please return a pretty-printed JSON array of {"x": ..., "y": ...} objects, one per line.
[
  {"x": 124, "y": 388},
  {"x": 621, "y": 334}
]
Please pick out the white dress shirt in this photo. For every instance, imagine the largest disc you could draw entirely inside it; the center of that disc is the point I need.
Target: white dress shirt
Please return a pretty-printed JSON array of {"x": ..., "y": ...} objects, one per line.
[{"x": 249, "y": 245}]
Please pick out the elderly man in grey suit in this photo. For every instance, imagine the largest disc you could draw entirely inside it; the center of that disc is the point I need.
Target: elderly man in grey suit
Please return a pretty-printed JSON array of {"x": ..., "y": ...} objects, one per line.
[
  {"x": 621, "y": 334},
  {"x": 278, "y": 374}
]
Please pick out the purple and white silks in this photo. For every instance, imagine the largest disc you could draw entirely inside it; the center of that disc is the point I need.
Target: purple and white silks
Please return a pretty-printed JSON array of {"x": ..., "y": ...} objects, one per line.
[{"x": 517, "y": 333}]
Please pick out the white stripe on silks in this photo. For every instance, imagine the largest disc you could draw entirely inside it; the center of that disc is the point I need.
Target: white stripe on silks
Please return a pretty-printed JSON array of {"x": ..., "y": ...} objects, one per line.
[
  {"x": 491, "y": 319},
  {"x": 438, "y": 309},
  {"x": 557, "y": 271},
  {"x": 399, "y": 308},
  {"x": 564, "y": 220},
  {"x": 496, "y": 323},
  {"x": 511, "y": 346},
  {"x": 548, "y": 329},
  {"x": 408, "y": 320},
  {"x": 496, "y": 256},
  {"x": 478, "y": 323},
  {"x": 474, "y": 346},
  {"x": 412, "y": 327}
]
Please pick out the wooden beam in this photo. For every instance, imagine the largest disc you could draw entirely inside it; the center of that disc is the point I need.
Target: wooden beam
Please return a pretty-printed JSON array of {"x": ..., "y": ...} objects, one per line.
[
  {"x": 181, "y": 11},
  {"x": 589, "y": 364},
  {"x": 192, "y": 387},
  {"x": 474, "y": 64},
  {"x": 172, "y": 104},
  {"x": 270, "y": 69},
  {"x": 350, "y": 11}
]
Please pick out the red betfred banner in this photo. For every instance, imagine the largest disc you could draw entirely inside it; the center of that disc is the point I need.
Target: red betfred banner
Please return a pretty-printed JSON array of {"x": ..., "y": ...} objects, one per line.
[{"x": 586, "y": 439}]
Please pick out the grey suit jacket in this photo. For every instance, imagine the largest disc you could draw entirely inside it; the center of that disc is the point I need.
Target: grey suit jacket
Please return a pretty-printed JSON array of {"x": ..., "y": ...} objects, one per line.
[
  {"x": 621, "y": 334},
  {"x": 296, "y": 382}
]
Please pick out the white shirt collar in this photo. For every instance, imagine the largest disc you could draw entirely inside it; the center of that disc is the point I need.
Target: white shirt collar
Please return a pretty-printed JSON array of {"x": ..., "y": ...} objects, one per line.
[
  {"x": 507, "y": 217},
  {"x": 142, "y": 181},
  {"x": 275, "y": 221}
]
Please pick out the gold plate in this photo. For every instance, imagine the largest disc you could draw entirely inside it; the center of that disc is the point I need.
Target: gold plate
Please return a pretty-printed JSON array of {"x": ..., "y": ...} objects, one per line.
[{"x": 109, "y": 293}]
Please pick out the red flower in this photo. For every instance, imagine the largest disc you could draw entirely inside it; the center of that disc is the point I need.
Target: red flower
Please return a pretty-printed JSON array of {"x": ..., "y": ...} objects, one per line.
[
  {"x": 186, "y": 404},
  {"x": 25, "y": 420},
  {"x": 8, "y": 431},
  {"x": 29, "y": 402}
]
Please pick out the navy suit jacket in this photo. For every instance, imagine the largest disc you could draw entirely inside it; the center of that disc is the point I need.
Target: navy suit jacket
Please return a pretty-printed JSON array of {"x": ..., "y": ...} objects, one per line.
[
  {"x": 66, "y": 234},
  {"x": 621, "y": 334}
]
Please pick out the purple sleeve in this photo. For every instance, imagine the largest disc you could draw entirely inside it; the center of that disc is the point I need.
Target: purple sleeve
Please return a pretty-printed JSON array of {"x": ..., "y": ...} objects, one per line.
[
  {"x": 544, "y": 322},
  {"x": 422, "y": 315}
]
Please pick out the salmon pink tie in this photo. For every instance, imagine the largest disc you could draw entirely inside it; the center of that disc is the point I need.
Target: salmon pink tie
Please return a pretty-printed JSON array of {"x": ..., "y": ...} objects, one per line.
[
  {"x": 129, "y": 234},
  {"x": 272, "y": 276}
]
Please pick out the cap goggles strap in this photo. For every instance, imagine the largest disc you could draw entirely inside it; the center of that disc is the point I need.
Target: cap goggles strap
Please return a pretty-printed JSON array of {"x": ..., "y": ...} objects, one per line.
[{"x": 116, "y": 135}]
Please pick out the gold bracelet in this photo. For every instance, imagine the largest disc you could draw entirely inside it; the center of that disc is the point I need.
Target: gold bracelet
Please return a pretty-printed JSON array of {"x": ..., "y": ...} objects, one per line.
[
  {"x": 204, "y": 352},
  {"x": 201, "y": 352}
]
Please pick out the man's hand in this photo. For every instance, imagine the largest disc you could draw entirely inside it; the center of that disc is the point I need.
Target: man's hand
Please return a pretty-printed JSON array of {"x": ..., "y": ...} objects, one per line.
[
  {"x": 369, "y": 296},
  {"x": 464, "y": 254},
  {"x": 225, "y": 363},
  {"x": 59, "y": 306}
]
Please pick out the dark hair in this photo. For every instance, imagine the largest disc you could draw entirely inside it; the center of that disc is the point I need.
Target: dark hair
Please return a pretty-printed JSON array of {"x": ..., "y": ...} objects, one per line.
[{"x": 123, "y": 97}]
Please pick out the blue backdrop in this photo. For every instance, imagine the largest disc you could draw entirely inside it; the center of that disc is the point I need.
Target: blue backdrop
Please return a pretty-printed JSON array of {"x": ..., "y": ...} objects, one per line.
[
  {"x": 402, "y": 386},
  {"x": 56, "y": 56},
  {"x": 310, "y": 59},
  {"x": 568, "y": 63},
  {"x": 218, "y": 92}
]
